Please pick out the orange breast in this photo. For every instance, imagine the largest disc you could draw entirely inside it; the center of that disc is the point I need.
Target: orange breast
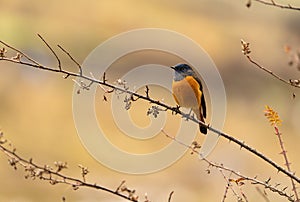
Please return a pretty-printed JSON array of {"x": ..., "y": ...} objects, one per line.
[{"x": 187, "y": 92}]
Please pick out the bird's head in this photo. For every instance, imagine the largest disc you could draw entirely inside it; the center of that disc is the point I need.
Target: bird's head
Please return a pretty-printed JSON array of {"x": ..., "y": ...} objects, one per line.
[{"x": 181, "y": 71}]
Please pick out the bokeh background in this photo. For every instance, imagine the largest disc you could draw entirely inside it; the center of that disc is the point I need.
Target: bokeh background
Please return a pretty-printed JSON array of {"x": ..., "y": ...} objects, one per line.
[{"x": 36, "y": 106}]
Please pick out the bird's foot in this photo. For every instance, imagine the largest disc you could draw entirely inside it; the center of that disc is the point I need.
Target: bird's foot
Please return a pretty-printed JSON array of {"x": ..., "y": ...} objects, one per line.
[{"x": 176, "y": 110}]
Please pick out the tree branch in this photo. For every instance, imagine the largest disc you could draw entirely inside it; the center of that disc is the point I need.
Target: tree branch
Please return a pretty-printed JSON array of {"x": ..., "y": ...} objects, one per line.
[
  {"x": 253, "y": 180},
  {"x": 54, "y": 176},
  {"x": 275, "y": 121},
  {"x": 70, "y": 56},
  {"x": 53, "y": 52},
  {"x": 246, "y": 50},
  {"x": 273, "y": 3}
]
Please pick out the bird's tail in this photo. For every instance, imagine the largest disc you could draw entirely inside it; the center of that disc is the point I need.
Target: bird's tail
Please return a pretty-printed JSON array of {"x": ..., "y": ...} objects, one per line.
[
  {"x": 199, "y": 115},
  {"x": 203, "y": 129}
]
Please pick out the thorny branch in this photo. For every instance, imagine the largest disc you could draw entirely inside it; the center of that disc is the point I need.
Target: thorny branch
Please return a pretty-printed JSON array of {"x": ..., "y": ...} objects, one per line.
[
  {"x": 275, "y": 121},
  {"x": 91, "y": 80},
  {"x": 273, "y": 3},
  {"x": 246, "y": 51},
  {"x": 287, "y": 163},
  {"x": 240, "y": 177},
  {"x": 55, "y": 176},
  {"x": 228, "y": 186}
]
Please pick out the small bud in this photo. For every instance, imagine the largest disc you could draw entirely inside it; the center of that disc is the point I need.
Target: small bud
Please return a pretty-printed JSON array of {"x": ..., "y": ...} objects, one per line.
[
  {"x": 104, "y": 98},
  {"x": 248, "y": 4},
  {"x": 295, "y": 82},
  {"x": 120, "y": 82},
  {"x": 245, "y": 47},
  {"x": 75, "y": 187},
  {"x": 2, "y": 52},
  {"x": 60, "y": 165},
  {"x": 17, "y": 57}
]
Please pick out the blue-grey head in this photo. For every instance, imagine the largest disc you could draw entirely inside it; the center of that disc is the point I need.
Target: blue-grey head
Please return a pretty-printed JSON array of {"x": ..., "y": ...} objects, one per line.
[{"x": 181, "y": 71}]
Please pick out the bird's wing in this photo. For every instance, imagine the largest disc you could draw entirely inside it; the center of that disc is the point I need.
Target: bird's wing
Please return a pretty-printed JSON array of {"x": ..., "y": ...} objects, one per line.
[{"x": 203, "y": 104}]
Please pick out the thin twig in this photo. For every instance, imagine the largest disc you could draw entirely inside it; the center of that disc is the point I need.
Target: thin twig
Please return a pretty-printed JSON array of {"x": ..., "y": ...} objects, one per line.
[
  {"x": 246, "y": 51},
  {"x": 53, "y": 52},
  {"x": 18, "y": 51},
  {"x": 263, "y": 194},
  {"x": 275, "y": 121},
  {"x": 273, "y": 3},
  {"x": 170, "y": 196},
  {"x": 53, "y": 176},
  {"x": 119, "y": 187},
  {"x": 243, "y": 194},
  {"x": 225, "y": 192},
  {"x": 272, "y": 73},
  {"x": 56, "y": 177},
  {"x": 253, "y": 180},
  {"x": 228, "y": 185},
  {"x": 256, "y": 153},
  {"x": 70, "y": 56},
  {"x": 147, "y": 91},
  {"x": 287, "y": 163}
]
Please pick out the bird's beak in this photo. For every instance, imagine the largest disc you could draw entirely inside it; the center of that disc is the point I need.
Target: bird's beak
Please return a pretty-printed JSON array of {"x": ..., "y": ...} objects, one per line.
[{"x": 172, "y": 67}]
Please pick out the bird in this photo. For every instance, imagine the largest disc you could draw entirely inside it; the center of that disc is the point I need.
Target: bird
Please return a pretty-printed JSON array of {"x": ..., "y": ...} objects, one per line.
[{"x": 187, "y": 91}]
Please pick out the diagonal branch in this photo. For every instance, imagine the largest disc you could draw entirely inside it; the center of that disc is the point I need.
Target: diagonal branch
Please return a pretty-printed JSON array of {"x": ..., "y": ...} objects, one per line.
[
  {"x": 290, "y": 82},
  {"x": 273, "y": 3},
  {"x": 70, "y": 56},
  {"x": 18, "y": 51},
  {"x": 170, "y": 196},
  {"x": 246, "y": 51},
  {"x": 266, "y": 184},
  {"x": 53, "y": 52},
  {"x": 53, "y": 176},
  {"x": 287, "y": 163}
]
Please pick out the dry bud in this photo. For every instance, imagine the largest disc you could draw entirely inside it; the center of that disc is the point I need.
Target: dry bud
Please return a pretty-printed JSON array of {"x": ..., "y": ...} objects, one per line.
[
  {"x": 245, "y": 47},
  {"x": 2, "y": 52}
]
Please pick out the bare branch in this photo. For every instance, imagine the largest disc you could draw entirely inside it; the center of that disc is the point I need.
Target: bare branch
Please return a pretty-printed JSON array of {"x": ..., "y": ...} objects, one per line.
[
  {"x": 20, "y": 52},
  {"x": 252, "y": 180},
  {"x": 263, "y": 194},
  {"x": 170, "y": 196},
  {"x": 225, "y": 192},
  {"x": 70, "y": 56},
  {"x": 275, "y": 121},
  {"x": 273, "y": 3},
  {"x": 290, "y": 82},
  {"x": 46, "y": 173},
  {"x": 53, "y": 52},
  {"x": 246, "y": 51},
  {"x": 228, "y": 186},
  {"x": 147, "y": 92}
]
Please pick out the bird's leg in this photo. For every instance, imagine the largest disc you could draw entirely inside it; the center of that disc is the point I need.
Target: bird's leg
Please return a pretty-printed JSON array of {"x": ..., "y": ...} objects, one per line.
[{"x": 176, "y": 110}]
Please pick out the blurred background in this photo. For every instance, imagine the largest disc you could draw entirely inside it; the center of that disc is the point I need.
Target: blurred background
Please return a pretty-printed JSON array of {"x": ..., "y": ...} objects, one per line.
[{"x": 36, "y": 106}]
